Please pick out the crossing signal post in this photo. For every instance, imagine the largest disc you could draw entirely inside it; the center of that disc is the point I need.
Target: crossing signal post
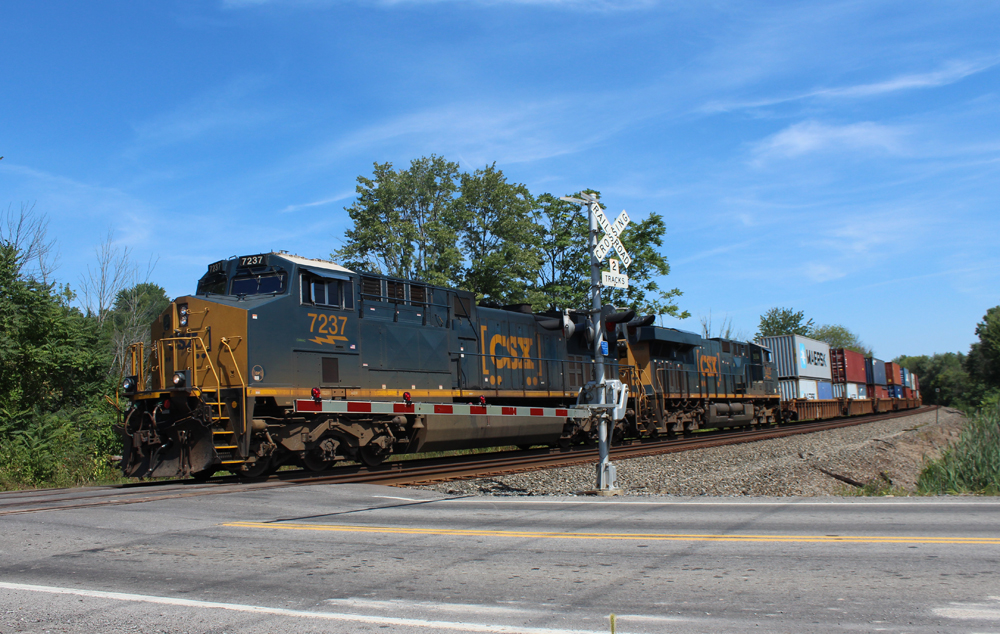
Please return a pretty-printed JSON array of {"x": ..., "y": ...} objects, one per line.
[{"x": 599, "y": 391}]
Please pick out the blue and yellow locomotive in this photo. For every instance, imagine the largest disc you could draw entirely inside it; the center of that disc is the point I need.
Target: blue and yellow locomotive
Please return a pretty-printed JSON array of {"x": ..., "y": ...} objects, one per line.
[{"x": 278, "y": 358}]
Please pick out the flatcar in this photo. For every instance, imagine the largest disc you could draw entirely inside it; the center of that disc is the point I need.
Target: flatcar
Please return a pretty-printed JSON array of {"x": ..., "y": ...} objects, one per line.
[{"x": 281, "y": 359}]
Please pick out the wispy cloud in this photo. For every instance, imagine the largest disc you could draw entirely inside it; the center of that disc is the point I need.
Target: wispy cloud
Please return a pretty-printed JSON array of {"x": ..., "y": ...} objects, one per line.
[
  {"x": 223, "y": 109},
  {"x": 478, "y": 133},
  {"x": 316, "y": 203},
  {"x": 810, "y": 137},
  {"x": 710, "y": 253},
  {"x": 823, "y": 272},
  {"x": 950, "y": 73}
]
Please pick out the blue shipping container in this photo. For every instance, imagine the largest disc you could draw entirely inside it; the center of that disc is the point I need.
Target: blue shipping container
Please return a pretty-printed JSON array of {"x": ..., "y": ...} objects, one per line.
[
  {"x": 824, "y": 390},
  {"x": 878, "y": 370},
  {"x": 895, "y": 391}
]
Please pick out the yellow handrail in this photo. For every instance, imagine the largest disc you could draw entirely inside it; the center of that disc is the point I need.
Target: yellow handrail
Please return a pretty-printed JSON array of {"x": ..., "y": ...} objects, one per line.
[
  {"x": 198, "y": 345},
  {"x": 232, "y": 355}
]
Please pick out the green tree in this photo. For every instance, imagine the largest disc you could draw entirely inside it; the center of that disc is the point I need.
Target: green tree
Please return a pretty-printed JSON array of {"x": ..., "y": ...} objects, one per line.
[
  {"x": 983, "y": 362},
  {"x": 129, "y": 320},
  {"x": 643, "y": 240},
  {"x": 784, "y": 321},
  {"x": 840, "y": 337},
  {"x": 564, "y": 274},
  {"x": 941, "y": 371},
  {"x": 499, "y": 236},
  {"x": 52, "y": 379},
  {"x": 481, "y": 233},
  {"x": 405, "y": 223}
]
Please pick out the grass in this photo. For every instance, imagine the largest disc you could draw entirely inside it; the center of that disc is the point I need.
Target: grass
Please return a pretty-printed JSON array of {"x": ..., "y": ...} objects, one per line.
[{"x": 971, "y": 465}]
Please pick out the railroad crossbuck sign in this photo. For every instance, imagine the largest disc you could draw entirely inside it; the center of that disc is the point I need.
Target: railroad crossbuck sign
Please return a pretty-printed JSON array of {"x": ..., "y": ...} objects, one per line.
[{"x": 611, "y": 233}]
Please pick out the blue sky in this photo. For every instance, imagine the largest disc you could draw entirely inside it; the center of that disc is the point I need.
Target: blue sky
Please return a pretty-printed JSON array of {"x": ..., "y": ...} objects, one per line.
[{"x": 841, "y": 158}]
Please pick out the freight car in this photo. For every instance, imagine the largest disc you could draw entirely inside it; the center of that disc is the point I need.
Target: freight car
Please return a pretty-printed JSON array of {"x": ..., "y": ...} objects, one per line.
[{"x": 278, "y": 358}]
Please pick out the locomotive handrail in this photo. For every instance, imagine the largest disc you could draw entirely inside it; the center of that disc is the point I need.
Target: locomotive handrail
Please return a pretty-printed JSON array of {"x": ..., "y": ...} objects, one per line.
[
  {"x": 196, "y": 341},
  {"x": 137, "y": 360},
  {"x": 232, "y": 355}
]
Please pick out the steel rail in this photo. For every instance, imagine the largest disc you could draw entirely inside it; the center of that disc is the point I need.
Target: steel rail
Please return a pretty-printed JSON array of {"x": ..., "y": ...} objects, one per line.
[{"x": 412, "y": 472}]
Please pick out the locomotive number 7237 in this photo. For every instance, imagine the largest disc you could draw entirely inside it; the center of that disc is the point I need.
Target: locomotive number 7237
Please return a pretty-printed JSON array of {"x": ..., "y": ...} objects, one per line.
[{"x": 328, "y": 324}]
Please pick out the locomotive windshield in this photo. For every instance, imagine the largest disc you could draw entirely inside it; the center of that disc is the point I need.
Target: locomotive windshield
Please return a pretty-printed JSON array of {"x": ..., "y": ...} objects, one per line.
[
  {"x": 212, "y": 283},
  {"x": 263, "y": 284}
]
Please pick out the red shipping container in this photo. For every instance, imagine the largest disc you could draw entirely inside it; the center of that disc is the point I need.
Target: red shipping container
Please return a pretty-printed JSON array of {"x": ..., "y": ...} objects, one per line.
[
  {"x": 907, "y": 392},
  {"x": 893, "y": 376},
  {"x": 848, "y": 366},
  {"x": 877, "y": 391}
]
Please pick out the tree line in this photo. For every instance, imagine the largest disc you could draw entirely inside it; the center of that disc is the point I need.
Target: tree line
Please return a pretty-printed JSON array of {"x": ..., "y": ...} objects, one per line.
[{"x": 59, "y": 362}]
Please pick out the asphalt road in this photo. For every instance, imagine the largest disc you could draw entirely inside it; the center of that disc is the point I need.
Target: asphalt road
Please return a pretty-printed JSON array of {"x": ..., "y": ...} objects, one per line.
[{"x": 362, "y": 558}]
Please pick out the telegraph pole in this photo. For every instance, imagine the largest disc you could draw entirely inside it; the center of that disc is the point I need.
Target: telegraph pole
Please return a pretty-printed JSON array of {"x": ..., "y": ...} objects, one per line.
[{"x": 607, "y": 481}]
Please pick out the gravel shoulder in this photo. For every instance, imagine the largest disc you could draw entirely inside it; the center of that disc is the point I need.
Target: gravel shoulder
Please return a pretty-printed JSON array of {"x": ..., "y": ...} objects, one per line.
[{"x": 887, "y": 454}]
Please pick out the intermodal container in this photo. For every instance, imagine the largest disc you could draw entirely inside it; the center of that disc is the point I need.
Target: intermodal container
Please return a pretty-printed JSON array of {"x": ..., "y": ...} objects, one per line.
[
  {"x": 893, "y": 376},
  {"x": 907, "y": 382},
  {"x": 847, "y": 366},
  {"x": 895, "y": 391},
  {"x": 879, "y": 367},
  {"x": 916, "y": 384},
  {"x": 850, "y": 390},
  {"x": 800, "y": 357},
  {"x": 877, "y": 391},
  {"x": 874, "y": 371},
  {"x": 792, "y": 389},
  {"x": 824, "y": 390}
]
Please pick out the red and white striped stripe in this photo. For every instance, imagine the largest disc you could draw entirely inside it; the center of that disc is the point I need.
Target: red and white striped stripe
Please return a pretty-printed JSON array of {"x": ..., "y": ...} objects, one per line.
[{"x": 310, "y": 406}]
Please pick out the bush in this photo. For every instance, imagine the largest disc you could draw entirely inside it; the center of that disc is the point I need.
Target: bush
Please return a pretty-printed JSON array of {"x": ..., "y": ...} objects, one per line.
[{"x": 972, "y": 465}]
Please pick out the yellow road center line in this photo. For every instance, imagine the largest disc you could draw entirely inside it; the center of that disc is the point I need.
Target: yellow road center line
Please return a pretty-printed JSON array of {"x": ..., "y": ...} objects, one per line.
[{"x": 447, "y": 532}]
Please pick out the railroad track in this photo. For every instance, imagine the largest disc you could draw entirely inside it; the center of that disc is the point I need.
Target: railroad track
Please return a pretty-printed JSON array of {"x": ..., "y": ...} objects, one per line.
[{"x": 404, "y": 472}]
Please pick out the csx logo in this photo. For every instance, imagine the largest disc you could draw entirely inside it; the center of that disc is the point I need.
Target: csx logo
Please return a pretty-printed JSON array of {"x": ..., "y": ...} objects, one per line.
[
  {"x": 708, "y": 365},
  {"x": 513, "y": 347}
]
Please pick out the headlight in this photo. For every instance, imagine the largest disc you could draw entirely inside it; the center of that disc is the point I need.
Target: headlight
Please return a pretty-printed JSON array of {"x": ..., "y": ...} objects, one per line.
[
  {"x": 128, "y": 384},
  {"x": 183, "y": 312},
  {"x": 184, "y": 320},
  {"x": 179, "y": 379}
]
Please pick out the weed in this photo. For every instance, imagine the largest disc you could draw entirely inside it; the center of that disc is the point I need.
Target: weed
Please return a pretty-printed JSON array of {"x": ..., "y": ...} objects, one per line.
[{"x": 971, "y": 465}]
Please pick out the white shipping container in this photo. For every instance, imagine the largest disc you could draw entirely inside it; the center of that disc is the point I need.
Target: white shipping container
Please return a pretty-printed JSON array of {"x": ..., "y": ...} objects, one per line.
[
  {"x": 799, "y": 357},
  {"x": 792, "y": 389},
  {"x": 862, "y": 390},
  {"x": 848, "y": 390}
]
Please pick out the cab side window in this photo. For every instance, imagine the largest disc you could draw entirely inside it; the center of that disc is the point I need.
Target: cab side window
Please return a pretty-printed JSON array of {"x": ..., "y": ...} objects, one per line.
[{"x": 328, "y": 293}]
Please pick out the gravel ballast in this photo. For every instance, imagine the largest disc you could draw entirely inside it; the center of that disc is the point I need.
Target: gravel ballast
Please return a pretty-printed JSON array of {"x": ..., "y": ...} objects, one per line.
[{"x": 888, "y": 453}]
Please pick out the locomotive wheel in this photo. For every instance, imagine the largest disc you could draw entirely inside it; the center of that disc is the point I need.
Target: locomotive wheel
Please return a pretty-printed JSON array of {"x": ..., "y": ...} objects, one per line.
[
  {"x": 315, "y": 463},
  {"x": 258, "y": 469},
  {"x": 371, "y": 456}
]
